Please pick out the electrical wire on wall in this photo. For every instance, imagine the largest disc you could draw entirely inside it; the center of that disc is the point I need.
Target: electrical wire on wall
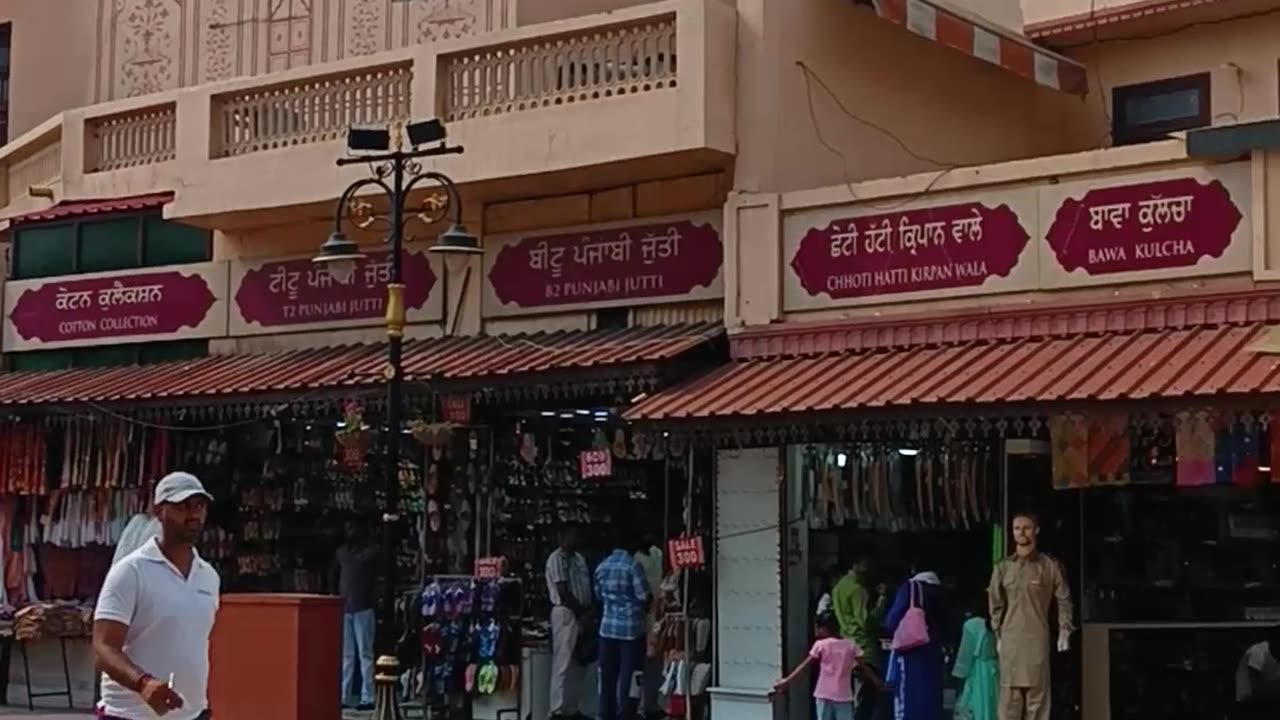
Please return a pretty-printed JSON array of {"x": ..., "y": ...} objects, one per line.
[{"x": 811, "y": 77}]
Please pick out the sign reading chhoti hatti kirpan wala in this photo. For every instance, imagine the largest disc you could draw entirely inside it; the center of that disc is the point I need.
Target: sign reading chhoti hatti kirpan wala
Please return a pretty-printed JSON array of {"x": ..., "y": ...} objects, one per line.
[
  {"x": 169, "y": 303},
  {"x": 1112, "y": 229},
  {"x": 294, "y": 294},
  {"x": 637, "y": 262}
]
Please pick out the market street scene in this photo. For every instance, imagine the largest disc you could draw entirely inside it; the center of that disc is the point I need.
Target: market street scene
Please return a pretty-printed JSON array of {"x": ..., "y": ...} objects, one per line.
[{"x": 640, "y": 359}]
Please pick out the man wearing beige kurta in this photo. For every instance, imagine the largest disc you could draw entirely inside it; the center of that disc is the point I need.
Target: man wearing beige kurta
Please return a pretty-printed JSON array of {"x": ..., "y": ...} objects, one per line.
[{"x": 1023, "y": 587}]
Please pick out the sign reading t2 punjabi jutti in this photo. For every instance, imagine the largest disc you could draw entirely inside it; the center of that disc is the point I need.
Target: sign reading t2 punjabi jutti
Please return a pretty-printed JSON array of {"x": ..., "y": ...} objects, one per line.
[
  {"x": 638, "y": 262},
  {"x": 293, "y": 294},
  {"x": 177, "y": 302}
]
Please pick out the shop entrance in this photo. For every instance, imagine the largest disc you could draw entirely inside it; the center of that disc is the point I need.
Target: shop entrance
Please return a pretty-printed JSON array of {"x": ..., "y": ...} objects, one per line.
[{"x": 1028, "y": 469}]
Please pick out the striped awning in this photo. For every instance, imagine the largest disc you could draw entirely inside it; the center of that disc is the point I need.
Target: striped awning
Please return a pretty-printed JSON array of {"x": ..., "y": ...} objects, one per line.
[
  {"x": 522, "y": 360},
  {"x": 1187, "y": 363},
  {"x": 986, "y": 41}
]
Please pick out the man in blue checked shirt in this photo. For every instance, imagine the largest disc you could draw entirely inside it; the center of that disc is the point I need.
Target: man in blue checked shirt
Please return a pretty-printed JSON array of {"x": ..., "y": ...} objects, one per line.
[{"x": 624, "y": 593}]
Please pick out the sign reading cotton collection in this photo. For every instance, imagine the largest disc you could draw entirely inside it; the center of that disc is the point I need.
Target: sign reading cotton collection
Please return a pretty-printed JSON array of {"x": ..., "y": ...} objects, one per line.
[
  {"x": 1126, "y": 228},
  {"x": 180, "y": 302}
]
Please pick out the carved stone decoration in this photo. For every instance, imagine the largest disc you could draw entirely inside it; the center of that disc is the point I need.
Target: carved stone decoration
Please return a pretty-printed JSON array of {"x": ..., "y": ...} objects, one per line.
[
  {"x": 366, "y": 27},
  {"x": 147, "y": 41},
  {"x": 436, "y": 20},
  {"x": 219, "y": 27},
  {"x": 289, "y": 34}
]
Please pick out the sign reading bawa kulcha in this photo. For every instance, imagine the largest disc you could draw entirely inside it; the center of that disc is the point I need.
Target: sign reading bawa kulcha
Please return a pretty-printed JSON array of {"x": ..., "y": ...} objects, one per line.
[
  {"x": 294, "y": 294},
  {"x": 636, "y": 262},
  {"x": 1117, "y": 229},
  {"x": 167, "y": 303}
]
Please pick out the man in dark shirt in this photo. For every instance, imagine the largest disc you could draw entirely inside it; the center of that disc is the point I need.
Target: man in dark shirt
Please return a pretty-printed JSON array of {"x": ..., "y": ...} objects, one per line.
[{"x": 355, "y": 575}]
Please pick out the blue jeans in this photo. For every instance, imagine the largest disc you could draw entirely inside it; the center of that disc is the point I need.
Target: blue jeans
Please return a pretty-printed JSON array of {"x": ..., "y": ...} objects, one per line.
[
  {"x": 620, "y": 660},
  {"x": 832, "y": 710},
  {"x": 357, "y": 641}
]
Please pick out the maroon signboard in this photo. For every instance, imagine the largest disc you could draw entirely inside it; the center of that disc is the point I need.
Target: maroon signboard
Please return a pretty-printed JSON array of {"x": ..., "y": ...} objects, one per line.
[
  {"x": 297, "y": 292},
  {"x": 69, "y": 310},
  {"x": 952, "y": 246},
  {"x": 606, "y": 266},
  {"x": 1148, "y": 226}
]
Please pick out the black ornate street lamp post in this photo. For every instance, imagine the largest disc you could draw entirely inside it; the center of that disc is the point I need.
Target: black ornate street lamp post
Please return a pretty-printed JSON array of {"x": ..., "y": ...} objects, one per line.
[{"x": 397, "y": 172}]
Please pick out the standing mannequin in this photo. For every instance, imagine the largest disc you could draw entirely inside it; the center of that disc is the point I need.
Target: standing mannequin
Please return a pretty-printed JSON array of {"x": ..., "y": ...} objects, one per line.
[{"x": 1023, "y": 587}]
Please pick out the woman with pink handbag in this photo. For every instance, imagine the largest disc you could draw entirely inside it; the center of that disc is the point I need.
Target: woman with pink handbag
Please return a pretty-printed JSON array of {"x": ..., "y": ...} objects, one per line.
[{"x": 916, "y": 672}]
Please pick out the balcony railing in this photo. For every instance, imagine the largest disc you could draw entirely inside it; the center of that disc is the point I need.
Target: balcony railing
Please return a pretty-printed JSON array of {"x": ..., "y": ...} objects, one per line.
[
  {"x": 318, "y": 109},
  {"x": 37, "y": 169},
  {"x": 594, "y": 64},
  {"x": 620, "y": 65},
  {"x": 132, "y": 139}
]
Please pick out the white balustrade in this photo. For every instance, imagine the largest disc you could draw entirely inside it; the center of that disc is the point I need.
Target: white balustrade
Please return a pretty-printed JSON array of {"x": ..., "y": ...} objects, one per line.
[
  {"x": 37, "y": 169},
  {"x": 595, "y": 64},
  {"x": 143, "y": 137},
  {"x": 316, "y": 109}
]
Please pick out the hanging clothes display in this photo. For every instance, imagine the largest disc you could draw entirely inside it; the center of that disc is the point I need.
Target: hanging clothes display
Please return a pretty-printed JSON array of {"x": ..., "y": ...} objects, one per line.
[
  {"x": 886, "y": 486},
  {"x": 1109, "y": 449},
  {"x": 23, "y": 460},
  {"x": 1069, "y": 443},
  {"x": 112, "y": 453},
  {"x": 1195, "y": 441}
]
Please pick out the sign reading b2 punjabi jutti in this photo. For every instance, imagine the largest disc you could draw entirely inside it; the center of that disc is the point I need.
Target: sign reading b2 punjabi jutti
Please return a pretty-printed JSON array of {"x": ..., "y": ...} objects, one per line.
[
  {"x": 638, "y": 262},
  {"x": 171, "y": 303}
]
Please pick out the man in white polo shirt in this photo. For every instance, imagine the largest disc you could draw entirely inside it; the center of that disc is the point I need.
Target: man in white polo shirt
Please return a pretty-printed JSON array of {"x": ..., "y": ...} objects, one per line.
[{"x": 155, "y": 613}]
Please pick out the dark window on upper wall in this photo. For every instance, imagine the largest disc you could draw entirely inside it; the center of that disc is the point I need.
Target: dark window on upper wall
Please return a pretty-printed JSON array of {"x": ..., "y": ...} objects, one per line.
[
  {"x": 613, "y": 318},
  {"x": 1150, "y": 111},
  {"x": 121, "y": 242},
  {"x": 6, "y": 57}
]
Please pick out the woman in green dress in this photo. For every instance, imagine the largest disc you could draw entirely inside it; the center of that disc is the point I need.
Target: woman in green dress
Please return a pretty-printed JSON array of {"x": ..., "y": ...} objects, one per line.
[{"x": 978, "y": 665}]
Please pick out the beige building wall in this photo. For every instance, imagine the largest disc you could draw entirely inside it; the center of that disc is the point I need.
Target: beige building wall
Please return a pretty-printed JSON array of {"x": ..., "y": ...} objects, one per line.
[
  {"x": 874, "y": 100},
  {"x": 52, "y": 58},
  {"x": 1241, "y": 56}
]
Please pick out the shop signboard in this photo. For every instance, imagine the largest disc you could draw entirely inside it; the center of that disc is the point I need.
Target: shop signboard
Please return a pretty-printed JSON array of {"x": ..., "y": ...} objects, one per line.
[
  {"x": 456, "y": 409},
  {"x": 1191, "y": 220},
  {"x": 595, "y": 464},
  {"x": 177, "y": 302},
  {"x": 638, "y": 262},
  {"x": 959, "y": 245},
  {"x": 293, "y": 293},
  {"x": 686, "y": 552},
  {"x": 490, "y": 568},
  {"x": 1153, "y": 225}
]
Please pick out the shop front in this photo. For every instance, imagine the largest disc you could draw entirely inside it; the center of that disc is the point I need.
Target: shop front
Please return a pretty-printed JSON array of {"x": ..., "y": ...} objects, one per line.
[
  {"x": 512, "y": 438},
  {"x": 922, "y": 370}
]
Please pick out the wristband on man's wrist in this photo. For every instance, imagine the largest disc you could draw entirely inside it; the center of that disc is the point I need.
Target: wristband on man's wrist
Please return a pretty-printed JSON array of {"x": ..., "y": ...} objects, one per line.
[{"x": 142, "y": 682}]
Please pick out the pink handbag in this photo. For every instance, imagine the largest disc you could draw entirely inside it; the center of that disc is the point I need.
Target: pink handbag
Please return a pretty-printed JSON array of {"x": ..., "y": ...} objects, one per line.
[{"x": 913, "y": 631}]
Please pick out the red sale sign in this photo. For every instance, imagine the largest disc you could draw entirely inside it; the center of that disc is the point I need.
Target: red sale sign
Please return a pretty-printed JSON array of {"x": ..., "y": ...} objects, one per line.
[
  {"x": 686, "y": 552},
  {"x": 595, "y": 464},
  {"x": 490, "y": 568}
]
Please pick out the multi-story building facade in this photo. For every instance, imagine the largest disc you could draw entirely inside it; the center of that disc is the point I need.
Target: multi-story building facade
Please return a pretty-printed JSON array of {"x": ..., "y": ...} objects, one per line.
[{"x": 907, "y": 214}]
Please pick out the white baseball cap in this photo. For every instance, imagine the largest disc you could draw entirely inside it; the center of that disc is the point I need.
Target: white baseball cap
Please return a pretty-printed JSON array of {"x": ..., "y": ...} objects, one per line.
[{"x": 177, "y": 487}]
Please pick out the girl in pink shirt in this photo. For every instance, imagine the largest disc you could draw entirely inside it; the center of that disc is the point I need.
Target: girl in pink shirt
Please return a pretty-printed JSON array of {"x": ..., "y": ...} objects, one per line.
[{"x": 837, "y": 659}]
